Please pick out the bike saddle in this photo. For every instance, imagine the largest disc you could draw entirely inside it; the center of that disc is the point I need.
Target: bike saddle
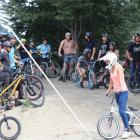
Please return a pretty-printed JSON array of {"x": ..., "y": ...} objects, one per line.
[{"x": 132, "y": 108}]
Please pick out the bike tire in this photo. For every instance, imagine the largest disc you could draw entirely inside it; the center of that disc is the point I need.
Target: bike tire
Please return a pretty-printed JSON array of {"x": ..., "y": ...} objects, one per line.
[
  {"x": 53, "y": 73},
  {"x": 73, "y": 76},
  {"x": 44, "y": 66},
  {"x": 132, "y": 89},
  {"x": 39, "y": 102},
  {"x": 135, "y": 126},
  {"x": 100, "y": 130},
  {"x": 3, "y": 136},
  {"x": 106, "y": 80},
  {"x": 27, "y": 83},
  {"x": 91, "y": 80},
  {"x": 77, "y": 80}
]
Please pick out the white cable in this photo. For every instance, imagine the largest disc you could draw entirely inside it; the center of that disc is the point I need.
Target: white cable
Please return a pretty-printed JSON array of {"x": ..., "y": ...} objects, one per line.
[{"x": 61, "y": 97}]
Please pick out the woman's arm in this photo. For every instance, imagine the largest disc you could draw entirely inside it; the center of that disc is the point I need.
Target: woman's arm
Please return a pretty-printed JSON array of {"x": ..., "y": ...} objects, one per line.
[{"x": 109, "y": 88}]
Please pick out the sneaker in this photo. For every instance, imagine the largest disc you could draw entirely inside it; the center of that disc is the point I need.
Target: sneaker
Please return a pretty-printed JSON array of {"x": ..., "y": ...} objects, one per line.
[
  {"x": 125, "y": 134},
  {"x": 7, "y": 108}
]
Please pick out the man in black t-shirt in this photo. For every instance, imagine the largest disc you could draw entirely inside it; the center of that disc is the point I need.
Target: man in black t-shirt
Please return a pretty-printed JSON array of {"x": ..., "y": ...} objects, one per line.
[
  {"x": 90, "y": 43},
  {"x": 134, "y": 57},
  {"x": 104, "y": 46}
]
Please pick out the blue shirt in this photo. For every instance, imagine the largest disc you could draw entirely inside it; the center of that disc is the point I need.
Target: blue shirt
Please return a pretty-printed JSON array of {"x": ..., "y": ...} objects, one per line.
[
  {"x": 12, "y": 59},
  {"x": 44, "y": 50}
]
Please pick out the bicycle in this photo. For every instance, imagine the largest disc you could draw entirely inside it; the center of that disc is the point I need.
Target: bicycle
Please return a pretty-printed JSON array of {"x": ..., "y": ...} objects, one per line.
[
  {"x": 51, "y": 68},
  {"x": 10, "y": 127},
  {"x": 101, "y": 78},
  {"x": 108, "y": 125},
  {"x": 30, "y": 86},
  {"x": 89, "y": 75}
]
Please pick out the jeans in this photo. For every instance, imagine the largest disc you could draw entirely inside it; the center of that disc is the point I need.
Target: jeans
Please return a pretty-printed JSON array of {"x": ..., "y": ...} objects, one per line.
[
  {"x": 121, "y": 99},
  {"x": 132, "y": 71}
]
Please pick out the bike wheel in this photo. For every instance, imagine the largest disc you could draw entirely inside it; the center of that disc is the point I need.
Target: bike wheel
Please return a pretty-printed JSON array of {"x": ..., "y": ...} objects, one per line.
[
  {"x": 136, "y": 125},
  {"x": 77, "y": 80},
  {"x": 106, "y": 80},
  {"x": 54, "y": 69},
  {"x": 108, "y": 127},
  {"x": 10, "y": 128},
  {"x": 39, "y": 102},
  {"x": 44, "y": 66},
  {"x": 73, "y": 76},
  {"x": 33, "y": 88},
  {"x": 91, "y": 80},
  {"x": 133, "y": 87}
]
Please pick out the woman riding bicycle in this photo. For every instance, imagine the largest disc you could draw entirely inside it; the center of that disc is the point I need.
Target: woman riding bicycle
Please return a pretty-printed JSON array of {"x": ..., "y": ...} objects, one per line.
[
  {"x": 117, "y": 82},
  {"x": 82, "y": 64}
]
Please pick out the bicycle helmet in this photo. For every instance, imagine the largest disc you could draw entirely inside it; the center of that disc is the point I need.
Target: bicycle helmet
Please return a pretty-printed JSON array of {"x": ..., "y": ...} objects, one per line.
[
  {"x": 137, "y": 34},
  {"x": 87, "y": 51},
  {"x": 23, "y": 40},
  {"x": 11, "y": 36},
  {"x": 88, "y": 34},
  {"x": 104, "y": 35},
  {"x": 137, "y": 37},
  {"x": 7, "y": 44},
  {"x": 111, "y": 57}
]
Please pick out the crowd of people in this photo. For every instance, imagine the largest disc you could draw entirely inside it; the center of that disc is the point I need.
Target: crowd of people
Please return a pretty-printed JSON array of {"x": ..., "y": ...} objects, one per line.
[{"x": 108, "y": 55}]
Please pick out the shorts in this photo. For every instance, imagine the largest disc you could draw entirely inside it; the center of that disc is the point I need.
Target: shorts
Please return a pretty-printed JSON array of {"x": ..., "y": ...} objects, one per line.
[{"x": 69, "y": 58}]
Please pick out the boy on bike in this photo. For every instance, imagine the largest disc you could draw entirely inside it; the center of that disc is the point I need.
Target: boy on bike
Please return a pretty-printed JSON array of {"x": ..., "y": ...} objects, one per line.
[{"x": 82, "y": 64}]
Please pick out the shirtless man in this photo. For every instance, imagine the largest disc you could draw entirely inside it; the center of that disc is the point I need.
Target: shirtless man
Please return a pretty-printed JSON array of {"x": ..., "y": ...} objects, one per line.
[{"x": 69, "y": 48}]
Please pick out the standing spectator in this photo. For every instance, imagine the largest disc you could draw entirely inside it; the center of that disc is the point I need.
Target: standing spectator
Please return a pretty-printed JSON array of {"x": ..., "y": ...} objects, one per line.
[{"x": 90, "y": 43}]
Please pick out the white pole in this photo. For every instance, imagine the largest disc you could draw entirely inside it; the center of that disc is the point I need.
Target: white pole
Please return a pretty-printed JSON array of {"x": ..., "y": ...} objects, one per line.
[{"x": 58, "y": 93}]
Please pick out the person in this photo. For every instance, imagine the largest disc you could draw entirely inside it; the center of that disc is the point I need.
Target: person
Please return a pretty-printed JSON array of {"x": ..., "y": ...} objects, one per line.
[
  {"x": 11, "y": 51},
  {"x": 5, "y": 62},
  {"x": 69, "y": 48},
  {"x": 104, "y": 47},
  {"x": 82, "y": 64},
  {"x": 44, "y": 49},
  {"x": 113, "y": 48},
  {"x": 34, "y": 51},
  {"x": 133, "y": 53},
  {"x": 4, "y": 37},
  {"x": 23, "y": 54},
  {"x": 117, "y": 82},
  {"x": 90, "y": 43},
  {"x": 5, "y": 74}
]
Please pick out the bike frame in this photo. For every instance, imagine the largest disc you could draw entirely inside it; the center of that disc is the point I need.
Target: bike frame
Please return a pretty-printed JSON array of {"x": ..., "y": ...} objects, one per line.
[
  {"x": 15, "y": 83},
  {"x": 115, "y": 111}
]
